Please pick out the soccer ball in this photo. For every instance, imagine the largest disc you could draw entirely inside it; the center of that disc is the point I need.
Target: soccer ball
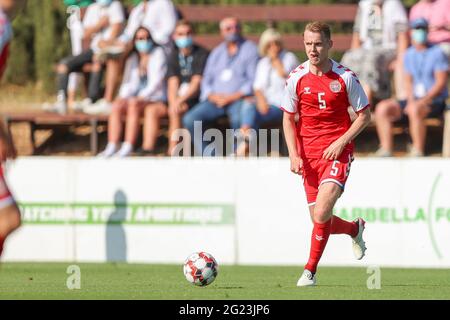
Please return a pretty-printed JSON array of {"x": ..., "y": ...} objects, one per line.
[{"x": 200, "y": 268}]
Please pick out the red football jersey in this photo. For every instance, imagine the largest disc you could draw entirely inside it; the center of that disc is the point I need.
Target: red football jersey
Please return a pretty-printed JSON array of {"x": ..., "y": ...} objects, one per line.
[{"x": 322, "y": 104}]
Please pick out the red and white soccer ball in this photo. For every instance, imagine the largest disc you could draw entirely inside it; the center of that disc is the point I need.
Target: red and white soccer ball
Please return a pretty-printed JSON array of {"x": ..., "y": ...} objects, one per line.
[{"x": 200, "y": 268}]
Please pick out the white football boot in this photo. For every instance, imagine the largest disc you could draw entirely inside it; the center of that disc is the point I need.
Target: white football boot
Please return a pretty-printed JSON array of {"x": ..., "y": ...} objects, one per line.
[
  {"x": 359, "y": 246},
  {"x": 307, "y": 279}
]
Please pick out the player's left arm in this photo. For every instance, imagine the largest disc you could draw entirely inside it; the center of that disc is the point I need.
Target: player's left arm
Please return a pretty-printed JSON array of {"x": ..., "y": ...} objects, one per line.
[
  {"x": 358, "y": 100},
  {"x": 335, "y": 149}
]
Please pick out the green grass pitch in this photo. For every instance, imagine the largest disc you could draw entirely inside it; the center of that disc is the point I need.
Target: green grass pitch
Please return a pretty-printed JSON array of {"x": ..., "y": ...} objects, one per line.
[{"x": 134, "y": 281}]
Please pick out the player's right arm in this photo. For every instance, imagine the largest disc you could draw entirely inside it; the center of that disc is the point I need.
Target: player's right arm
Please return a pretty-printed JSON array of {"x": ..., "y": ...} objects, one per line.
[
  {"x": 290, "y": 134},
  {"x": 289, "y": 106}
]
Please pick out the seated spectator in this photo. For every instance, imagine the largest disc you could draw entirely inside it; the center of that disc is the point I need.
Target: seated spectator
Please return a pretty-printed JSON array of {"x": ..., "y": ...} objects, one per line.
[
  {"x": 143, "y": 89},
  {"x": 103, "y": 20},
  {"x": 227, "y": 81},
  {"x": 379, "y": 41},
  {"x": 75, "y": 24},
  {"x": 184, "y": 76},
  {"x": 158, "y": 16},
  {"x": 437, "y": 13},
  {"x": 426, "y": 86},
  {"x": 271, "y": 73}
]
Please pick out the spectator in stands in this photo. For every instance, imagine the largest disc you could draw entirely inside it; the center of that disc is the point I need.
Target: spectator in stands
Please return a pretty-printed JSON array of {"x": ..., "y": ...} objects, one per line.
[
  {"x": 379, "y": 41},
  {"x": 271, "y": 73},
  {"x": 158, "y": 16},
  {"x": 426, "y": 87},
  {"x": 143, "y": 89},
  {"x": 437, "y": 13},
  {"x": 227, "y": 80},
  {"x": 184, "y": 76},
  {"x": 77, "y": 10},
  {"x": 104, "y": 20}
]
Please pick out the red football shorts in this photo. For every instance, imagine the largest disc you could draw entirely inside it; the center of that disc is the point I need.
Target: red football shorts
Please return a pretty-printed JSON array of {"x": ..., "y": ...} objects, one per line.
[
  {"x": 319, "y": 171},
  {"x": 6, "y": 198}
]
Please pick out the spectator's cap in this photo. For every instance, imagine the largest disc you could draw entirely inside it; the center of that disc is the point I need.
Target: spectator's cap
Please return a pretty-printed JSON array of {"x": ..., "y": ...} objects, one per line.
[
  {"x": 268, "y": 36},
  {"x": 78, "y": 3},
  {"x": 419, "y": 23}
]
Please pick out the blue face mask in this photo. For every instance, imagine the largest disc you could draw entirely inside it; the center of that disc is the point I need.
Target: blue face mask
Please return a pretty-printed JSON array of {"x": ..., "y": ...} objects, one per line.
[
  {"x": 232, "y": 37},
  {"x": 184, "y": 42},
  {"x": 104, "y": 3},
  {"x": 143, "y": 46},
  {"x": 419, "y": 36}
]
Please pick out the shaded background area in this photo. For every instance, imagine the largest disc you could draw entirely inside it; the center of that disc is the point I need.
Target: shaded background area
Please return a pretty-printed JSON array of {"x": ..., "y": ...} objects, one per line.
[{"x": 41, "y": 39}]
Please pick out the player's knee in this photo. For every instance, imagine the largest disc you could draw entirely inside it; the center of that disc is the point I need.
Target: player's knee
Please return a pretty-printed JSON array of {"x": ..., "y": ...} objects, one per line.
[
  {"x": 10, "y": 221},
  {"x": 15, "y": 221},
  {"x": 321, "y": 215}
]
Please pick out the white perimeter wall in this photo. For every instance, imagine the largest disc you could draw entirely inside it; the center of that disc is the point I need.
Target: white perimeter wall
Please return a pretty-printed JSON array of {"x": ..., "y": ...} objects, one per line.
[{"x": 406, "y": 203}]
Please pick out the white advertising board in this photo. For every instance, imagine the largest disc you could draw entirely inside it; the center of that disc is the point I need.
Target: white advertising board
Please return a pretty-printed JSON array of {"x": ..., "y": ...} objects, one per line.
[{"x": 243, "y": 211}]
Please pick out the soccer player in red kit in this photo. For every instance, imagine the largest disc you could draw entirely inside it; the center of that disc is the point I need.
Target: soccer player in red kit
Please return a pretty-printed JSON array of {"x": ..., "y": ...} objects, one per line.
[
  {"x": 319, "y": 92},
  {"x": 9, "y": 212}
]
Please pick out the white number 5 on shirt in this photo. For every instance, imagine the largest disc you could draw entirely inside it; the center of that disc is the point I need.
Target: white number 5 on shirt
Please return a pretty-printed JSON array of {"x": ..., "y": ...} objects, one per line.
[{"x": 322, "y": 102}]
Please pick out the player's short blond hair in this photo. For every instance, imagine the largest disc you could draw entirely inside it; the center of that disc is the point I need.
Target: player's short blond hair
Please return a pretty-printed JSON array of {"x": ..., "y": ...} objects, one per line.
[{"x": 320, "y": 27}]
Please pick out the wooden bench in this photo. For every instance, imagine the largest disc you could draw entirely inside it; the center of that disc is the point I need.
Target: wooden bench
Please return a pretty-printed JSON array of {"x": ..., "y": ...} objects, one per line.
[
  {"x": 272, "y": 14},
  {"x": 207, "y": 14},
  {"x": 39, "y": 120}
]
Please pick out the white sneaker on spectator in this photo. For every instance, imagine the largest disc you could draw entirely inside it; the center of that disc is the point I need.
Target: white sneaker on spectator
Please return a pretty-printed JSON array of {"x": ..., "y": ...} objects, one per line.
[
  {"x": 100, "y": 107},
  {"x": 57, "y": 107},
  {"x": 414, "y": 153},
  {"x": 125, "y": 150},
  {"x": 110, "y": 150},
  {"x": 382, "y": 153},
  {"x": 81, "y": 105}
]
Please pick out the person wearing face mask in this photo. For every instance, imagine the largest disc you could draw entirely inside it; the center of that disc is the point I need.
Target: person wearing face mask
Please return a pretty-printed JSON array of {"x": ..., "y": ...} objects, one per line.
[
  {"x": 437, "y": 13},
  {"x": 158, "y": 16},
  {"x": 379, "y": 42},
  {"x": 143, "y": 91},
  {"x": 227, "y": 81},
  {"x": 184, "y": 75},
  {"x": 426, "y": 86},
  {"x": 103, "y": 20}
]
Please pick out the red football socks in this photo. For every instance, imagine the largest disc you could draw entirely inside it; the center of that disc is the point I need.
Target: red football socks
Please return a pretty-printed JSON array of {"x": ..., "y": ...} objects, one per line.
[
  {"x": 319, "y": 238},
  {"x": 340, "y": 226}
]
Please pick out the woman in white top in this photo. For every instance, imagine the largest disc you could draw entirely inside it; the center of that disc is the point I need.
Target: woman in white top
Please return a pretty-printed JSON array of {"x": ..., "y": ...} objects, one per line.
[
  {"x": 268, "y": 86},
  {"x": 158, "y": 16},
  {"x": 143, "y": 90}
]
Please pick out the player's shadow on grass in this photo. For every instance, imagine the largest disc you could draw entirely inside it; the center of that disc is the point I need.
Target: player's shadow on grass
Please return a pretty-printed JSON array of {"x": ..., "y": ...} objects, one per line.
[{"x": 116, "y": 242}]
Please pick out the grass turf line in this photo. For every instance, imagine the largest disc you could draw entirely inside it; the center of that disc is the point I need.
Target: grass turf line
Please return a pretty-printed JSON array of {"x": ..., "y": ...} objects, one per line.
[{"x": 138, "y": 281}]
